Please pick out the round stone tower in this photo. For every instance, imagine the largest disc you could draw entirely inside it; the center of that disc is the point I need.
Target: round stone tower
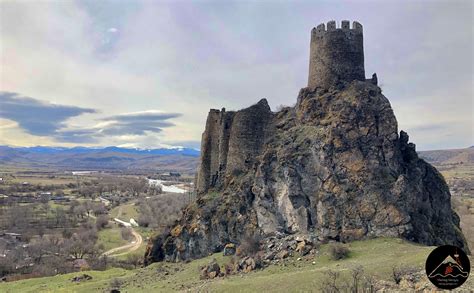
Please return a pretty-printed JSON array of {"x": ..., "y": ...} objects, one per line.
[{"x": 336, "y": 54}]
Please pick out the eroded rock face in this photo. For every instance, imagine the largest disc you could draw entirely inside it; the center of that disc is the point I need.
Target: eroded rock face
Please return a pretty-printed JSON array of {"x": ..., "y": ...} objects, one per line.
[{"x": 333, "y": 166}]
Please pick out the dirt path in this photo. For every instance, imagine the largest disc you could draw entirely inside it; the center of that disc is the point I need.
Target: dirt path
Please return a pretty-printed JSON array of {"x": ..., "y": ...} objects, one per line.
[
  {"x": 119, "y": 212},
  {"x": 134, "y": 245}
]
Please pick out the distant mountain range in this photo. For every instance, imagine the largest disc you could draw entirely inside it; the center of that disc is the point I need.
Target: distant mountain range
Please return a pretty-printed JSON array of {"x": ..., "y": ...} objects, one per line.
[
  {"x": 178, "y": 158},
  {"x": 78, "y": 150},
  {"x": 106, "y": 158},
  {"x": 448, "y": 157}
]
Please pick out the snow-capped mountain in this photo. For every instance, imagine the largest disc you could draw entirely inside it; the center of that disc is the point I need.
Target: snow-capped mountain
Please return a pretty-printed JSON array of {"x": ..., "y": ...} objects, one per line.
[{"x": 78, "y": 158}]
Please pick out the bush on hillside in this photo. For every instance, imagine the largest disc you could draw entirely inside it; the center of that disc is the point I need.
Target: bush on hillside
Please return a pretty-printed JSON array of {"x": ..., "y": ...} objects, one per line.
[
  {"x": 249, "y": 245},
  {"x": 338, "y": 251}
]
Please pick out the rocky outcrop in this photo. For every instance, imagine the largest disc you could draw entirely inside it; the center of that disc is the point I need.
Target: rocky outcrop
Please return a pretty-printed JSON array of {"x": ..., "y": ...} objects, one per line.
[{"x": 334, "y": 167}]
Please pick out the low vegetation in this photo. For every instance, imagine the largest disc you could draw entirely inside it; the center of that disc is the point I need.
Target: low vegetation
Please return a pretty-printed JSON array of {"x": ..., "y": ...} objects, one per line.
[
  {"x": 162, "y": 211},
  {"x": 357, "y": 281},
  {"x": 398, "y": 272},
  {"x": 376, "y": 257},
  {"x": 53, "y": 222},
  {"x": 249, "y": 245},
  {"x": 338, "y": 251}
]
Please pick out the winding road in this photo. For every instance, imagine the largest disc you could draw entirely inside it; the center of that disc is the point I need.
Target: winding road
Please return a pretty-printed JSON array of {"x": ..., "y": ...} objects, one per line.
[{"x": 134, "y": 245}]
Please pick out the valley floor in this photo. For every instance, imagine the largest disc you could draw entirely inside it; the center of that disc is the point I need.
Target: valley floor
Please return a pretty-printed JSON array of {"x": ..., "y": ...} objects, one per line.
[{"x": 376, "y": 256}]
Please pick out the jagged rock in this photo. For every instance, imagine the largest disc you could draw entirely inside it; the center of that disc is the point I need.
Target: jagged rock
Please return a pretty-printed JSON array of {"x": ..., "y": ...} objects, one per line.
[
  {"x": 210, "y": 271},
  {"x": 282, "y": 254},
  {"x": 269, "y": 255},
  {"x": 303, "y": 248},
  {"x": 83, "y": 277},
  {"x": 212, "y": 275},
  {"x": 229, "y": 249},
  {"x": 333, "y": 167},
  {"x": 247, "y": 264}
]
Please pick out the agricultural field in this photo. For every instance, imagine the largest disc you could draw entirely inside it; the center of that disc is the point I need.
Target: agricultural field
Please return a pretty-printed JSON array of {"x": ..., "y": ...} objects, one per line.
[
  {"x": 75, "y": 214},
  {"x": 460, "y": 179},
  {"x": 153, "y": 210}
]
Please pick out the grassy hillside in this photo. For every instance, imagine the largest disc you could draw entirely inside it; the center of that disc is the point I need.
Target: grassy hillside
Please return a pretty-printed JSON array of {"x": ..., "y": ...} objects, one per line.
[
  {"x": 111, "y": 238},
  {"x": 445, "y": 157},
  {"x": 377, "y": 256}
]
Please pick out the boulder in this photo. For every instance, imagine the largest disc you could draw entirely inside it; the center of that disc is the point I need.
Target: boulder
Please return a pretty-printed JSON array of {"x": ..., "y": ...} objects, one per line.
[
  {"x": 303, "y": 248},
  {"x": 247, "y": 264},
  {"x": 83, "y": 277},
  {"x": 282, "y": 254},
  {"x": 229, "y": 249},
  {"x": 211, "y": 270}
]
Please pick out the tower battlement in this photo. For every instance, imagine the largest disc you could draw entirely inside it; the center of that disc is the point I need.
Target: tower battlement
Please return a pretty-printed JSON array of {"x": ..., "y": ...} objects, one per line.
[
  {"x": 321, "y": 29},
  {"x": 336, "y": 54}
]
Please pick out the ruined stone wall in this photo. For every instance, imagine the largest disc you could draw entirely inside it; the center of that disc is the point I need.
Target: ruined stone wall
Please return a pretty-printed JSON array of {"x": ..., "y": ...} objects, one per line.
[
  {"x": 336, "y": 54},
  {"x": 247, "y": 137},
  {"x": 225, "y": 128},
  {"x": 209, "y": 151},
  {"x": 230, "y": 143}
]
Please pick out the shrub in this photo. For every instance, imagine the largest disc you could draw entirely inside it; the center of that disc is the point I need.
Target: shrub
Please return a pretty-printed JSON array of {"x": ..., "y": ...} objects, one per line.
[
  {"x": 126, "y": 233},
  {"x": 331, "y": 282},
  {"x": 160, "y": 211},
  {"x": 249, "y": 245},
  {"x": 398, "y": 273},
  {"x": 135, "y": 260},
  {"x": 99, "y": 264},
  {"x": 144, "y": 220},
  {"x": 358, "y": 282},
  {"x": 102, "y": 222},
  {"x": 115, "y": 284},
  {"x": 338, "y": 251}
]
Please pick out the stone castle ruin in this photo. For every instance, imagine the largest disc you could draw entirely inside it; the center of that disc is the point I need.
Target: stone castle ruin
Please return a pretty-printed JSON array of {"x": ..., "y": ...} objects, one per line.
[
  {"x": 232, "y": 143},
  {"x": 335, "y": 166},
  {"x": 336, "y": 54},
  {"x": 233, "y": 139}
]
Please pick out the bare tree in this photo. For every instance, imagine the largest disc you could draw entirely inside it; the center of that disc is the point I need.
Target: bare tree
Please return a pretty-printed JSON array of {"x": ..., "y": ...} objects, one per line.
[
  {"x": 82, "y": 243},
  {"x": 79, "y": 211},
  {"x": 126, "y": 233},
  {"x": 102, "y": 222},
  {"x": 99, "y": 209},
  {"x": 135, "y": 260}
]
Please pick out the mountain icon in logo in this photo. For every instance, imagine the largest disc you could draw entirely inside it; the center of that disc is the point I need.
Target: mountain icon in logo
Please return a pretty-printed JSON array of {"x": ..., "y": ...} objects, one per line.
[{"x": 447, "y": 267}]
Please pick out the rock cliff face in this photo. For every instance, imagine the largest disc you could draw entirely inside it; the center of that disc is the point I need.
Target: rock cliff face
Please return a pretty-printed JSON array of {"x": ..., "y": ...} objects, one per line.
[{"x": 334, "y": 166}]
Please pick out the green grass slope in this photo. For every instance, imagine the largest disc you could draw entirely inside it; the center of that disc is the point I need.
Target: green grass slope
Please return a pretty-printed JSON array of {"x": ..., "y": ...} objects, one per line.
[{"x": 377, "y": 256}]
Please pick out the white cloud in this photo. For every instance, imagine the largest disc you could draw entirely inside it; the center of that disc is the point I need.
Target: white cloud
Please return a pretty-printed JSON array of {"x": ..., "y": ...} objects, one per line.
[{"x": 189, "y": 57}]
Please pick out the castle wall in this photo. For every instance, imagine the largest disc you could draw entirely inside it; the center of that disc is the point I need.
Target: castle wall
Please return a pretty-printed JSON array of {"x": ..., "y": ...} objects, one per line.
[
  {"x": 209, "y": 152},
  {"x": 336, "y": 54},
  {"x": 230, "y": 143},
  {"x": 226, "y": 120},
  {"x": 247, "y": 137}
]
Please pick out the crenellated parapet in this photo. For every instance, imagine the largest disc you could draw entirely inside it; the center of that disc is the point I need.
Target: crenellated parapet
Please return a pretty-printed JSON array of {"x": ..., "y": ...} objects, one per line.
[
  {"x": 321, "y": 29},
  {"x": 336, "y": 54}
]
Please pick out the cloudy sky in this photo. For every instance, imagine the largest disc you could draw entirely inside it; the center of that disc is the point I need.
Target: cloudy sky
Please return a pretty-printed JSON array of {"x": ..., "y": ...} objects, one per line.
[{"x": 145, "y": 73}]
